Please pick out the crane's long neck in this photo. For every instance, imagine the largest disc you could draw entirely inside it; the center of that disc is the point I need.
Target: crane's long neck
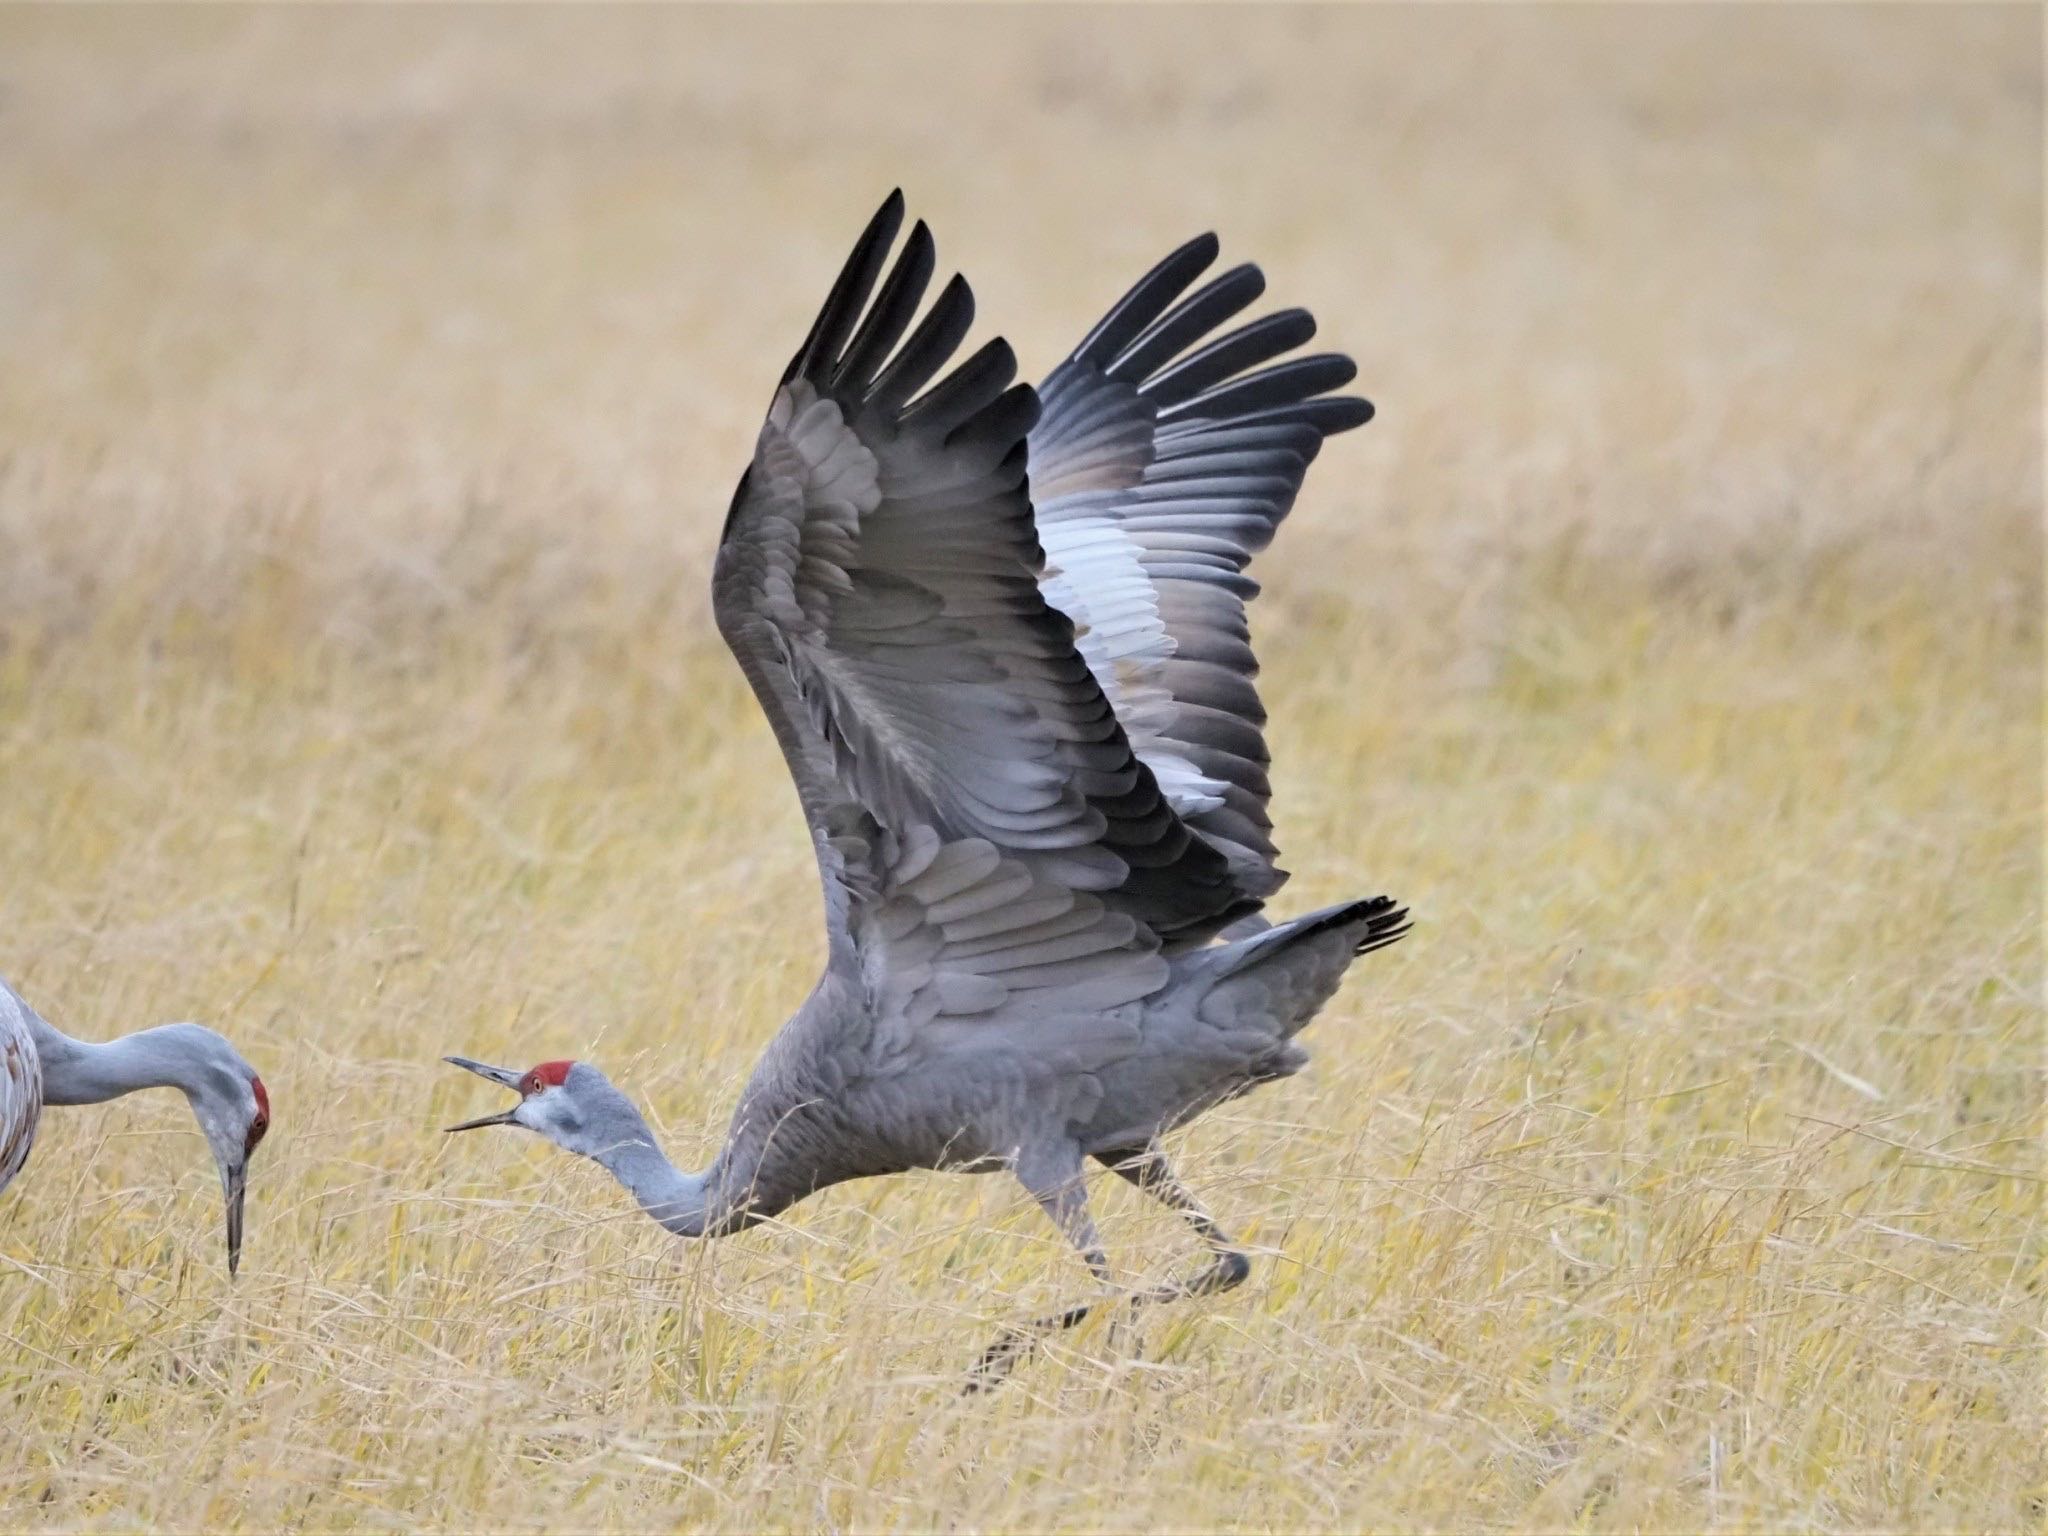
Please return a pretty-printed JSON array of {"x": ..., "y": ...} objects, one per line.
[
  {"x": 597, "y": 1121},
  {"x": 676, "y": 1199},
  {"x": 775, "y": 1152},
  {"x": 83, "y": 1072}
]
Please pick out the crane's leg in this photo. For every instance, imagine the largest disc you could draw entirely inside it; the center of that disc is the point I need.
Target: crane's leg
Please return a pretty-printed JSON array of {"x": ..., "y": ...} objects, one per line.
[
  {"x": 1146, "y": 1168},
  {"x": 1055, "y": 1183}
]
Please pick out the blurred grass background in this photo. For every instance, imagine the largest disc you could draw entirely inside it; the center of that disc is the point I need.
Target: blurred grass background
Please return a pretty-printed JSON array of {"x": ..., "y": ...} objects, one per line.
[{"x": 371, "y": 387}]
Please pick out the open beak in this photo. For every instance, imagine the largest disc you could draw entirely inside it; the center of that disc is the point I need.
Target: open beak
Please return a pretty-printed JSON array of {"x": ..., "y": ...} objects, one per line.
[
  {"x": 503, "y": 1076},
  {"x": 235, "y": 1184}
]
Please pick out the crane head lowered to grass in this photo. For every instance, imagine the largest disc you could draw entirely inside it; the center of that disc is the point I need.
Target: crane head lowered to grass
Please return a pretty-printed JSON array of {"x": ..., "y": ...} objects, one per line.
[
  {"x": 1000, "y": 636},
  {"x": 41, "y": 1065}
]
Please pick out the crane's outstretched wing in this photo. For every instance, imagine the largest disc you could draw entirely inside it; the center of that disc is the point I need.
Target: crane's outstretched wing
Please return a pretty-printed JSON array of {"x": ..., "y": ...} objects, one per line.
[
  {"x": 1160, "y": 465},
  {"x": 969, "y": 788}
]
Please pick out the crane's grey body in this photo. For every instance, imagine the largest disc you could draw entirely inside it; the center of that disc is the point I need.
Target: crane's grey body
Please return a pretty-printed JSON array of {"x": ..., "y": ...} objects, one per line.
[
  {"x": 1000, "y": 637},
  {"x": 836, "y": 1098},
  {"x": 40, "y": 1065}
]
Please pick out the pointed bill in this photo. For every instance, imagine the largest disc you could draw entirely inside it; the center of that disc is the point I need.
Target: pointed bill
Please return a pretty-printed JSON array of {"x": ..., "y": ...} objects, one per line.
[
  {"x": 505, "y": 1077},
  {"x": 235, "y": 1186},
  {"x": 470, "y": 1125}
]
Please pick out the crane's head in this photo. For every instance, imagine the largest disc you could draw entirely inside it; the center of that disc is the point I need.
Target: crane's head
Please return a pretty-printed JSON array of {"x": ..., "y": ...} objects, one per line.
[
  {"x": 228, "y": 1100},
  {"x": 570, "y": 1102}
]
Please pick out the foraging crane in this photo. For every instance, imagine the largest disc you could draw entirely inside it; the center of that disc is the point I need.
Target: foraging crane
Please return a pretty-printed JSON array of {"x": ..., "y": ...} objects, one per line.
[
  {"x": 40, "y": 1065},
  {"x": 1000, "y": 637}
]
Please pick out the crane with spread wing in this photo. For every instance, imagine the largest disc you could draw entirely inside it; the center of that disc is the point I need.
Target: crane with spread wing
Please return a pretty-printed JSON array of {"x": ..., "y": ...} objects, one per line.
[{"x": 1000, "y": 635}]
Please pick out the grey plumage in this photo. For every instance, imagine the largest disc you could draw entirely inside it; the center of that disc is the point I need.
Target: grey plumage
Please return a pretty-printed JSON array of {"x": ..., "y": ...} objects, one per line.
[
  {"x": 40, "y": 1065},
  {"x": 1000, "y": 636}
]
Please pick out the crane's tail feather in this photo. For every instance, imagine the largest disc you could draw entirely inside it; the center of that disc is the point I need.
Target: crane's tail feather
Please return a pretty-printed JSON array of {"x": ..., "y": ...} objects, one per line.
[
  {"x": 1277, "y": 980},
  {"x": 1373, "y": 923}
]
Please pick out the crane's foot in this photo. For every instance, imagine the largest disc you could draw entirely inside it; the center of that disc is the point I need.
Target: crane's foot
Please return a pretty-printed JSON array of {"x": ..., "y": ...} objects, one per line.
[
  {"x": 1226, "y": 1272},
  {"x": 1059, "y": 1191},
  {"x": 1229, "y": 1269},
  {"x": 1000, "y": 1358}
]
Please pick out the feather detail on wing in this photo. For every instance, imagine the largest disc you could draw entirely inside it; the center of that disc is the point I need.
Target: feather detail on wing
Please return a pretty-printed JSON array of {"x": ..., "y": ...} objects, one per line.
[
  {"x": 958, "y": 931},
  {"x": 878, "y": 580},
  {"x": 1162, "y": 462}
]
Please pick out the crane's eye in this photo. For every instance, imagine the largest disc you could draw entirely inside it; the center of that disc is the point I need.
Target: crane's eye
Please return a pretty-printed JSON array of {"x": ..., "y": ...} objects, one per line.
[
  {"x": 530, "y": 1084},
  {"x": 261, "y": 1122}
]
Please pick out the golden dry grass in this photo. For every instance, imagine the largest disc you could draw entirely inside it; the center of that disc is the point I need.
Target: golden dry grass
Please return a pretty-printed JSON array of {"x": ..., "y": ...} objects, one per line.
[{"x": 370, "y": 388}]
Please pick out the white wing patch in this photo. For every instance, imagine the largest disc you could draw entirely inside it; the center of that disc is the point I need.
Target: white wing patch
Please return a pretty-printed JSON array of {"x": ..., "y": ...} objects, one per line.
[
  {"x": 1093, "y": 575},
  {"x": 1167, "y": 452}
]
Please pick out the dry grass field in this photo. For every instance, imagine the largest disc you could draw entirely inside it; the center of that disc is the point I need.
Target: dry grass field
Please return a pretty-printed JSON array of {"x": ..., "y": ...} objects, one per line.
[{"x": 371, "y": 389}]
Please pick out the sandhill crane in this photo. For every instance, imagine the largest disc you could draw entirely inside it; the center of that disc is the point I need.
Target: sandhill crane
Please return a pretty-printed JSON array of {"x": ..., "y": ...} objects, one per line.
[
  {"x": 40, "y": 1065},
  {"x": 1000, "y": 636}
]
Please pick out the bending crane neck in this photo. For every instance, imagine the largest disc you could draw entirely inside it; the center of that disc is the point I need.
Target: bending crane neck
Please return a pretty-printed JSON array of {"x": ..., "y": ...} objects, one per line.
[
  {"x": 87, "y": 1072},
  {"x": 671, "y": 1195},
  {"x": 724, "y": 1198}
]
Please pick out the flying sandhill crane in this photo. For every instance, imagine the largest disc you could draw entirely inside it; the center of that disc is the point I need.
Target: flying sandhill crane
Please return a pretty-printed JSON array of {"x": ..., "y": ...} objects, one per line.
[
  {"x": 1000, "y": 636},
  {"x": 39, "y": 1065}
]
